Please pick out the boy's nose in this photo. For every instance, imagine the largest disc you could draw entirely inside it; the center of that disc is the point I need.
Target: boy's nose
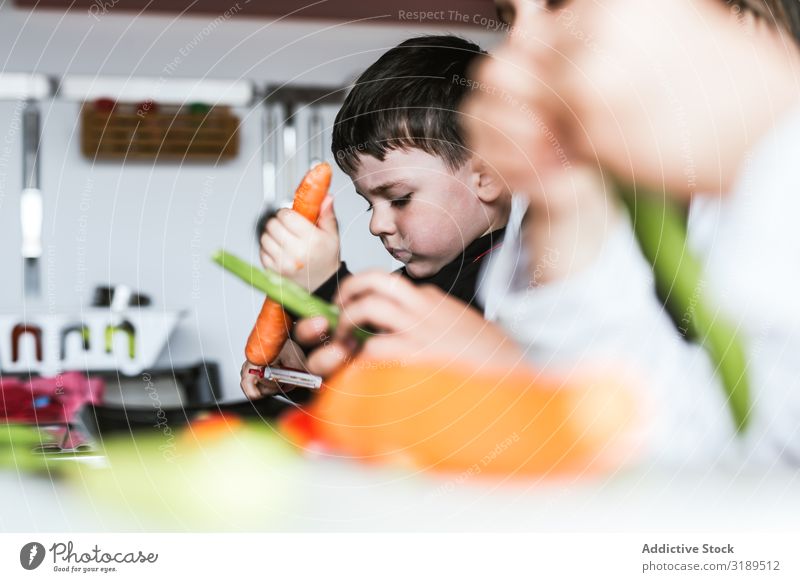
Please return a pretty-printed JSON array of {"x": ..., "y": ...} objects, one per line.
[{"x": 381, "y": 222}]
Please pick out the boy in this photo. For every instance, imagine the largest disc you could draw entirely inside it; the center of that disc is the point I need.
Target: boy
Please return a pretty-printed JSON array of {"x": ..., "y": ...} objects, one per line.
[{"x": 435, "y": 207}]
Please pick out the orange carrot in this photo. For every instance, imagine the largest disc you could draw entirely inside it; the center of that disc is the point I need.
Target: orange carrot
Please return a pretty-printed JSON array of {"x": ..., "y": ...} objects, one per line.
[
  {"x": 273, "y": 324},
  {"x": 299, "y": 427},
  {"x": 211, "y": 427},
  {"x": 459, "y": 417},
  {"x": 268, "y": 335},
  {"x": 312, "y": 191}
]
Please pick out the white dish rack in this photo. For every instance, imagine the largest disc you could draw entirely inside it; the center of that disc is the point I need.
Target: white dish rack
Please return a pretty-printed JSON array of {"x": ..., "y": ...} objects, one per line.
[{"x": 129, "y": 340}]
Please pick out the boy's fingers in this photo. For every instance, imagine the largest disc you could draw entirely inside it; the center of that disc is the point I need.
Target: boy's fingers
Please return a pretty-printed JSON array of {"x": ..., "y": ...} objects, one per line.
[
  {"x": 328, "y": 359},
  {"x": 266, "y": 388},
  {"x": 327, "y": 217},
  {"x": 392, "y": 351},
  {"x": 284, "y": 261},
  {"x": 267, "y": 243},
  {"x": 249, "y": 388},
  {"x": 395, "y": 287},
  {"x": 311, "y": 331},
  {"x": 280, "y": 234},
  {"x": 249, "y": 381},
  {"x": 270, "y": 247},
  {"x": 267, "y": 261},
  {"x": 294, "y": 223},
  {"x": 270, "y": 388},
  {"x": 375, "y": 312},
  {"x": 270, "y": 262},
  {"x": 291, "y": 356}
]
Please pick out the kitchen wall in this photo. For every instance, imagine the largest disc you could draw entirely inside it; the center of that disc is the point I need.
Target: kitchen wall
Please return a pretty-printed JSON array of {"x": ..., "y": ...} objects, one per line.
[{"x": 154, "y": 228}]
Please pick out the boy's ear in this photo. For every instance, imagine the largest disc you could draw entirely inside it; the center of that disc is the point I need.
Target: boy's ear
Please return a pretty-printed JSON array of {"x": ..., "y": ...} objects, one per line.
[{"x": 485, "y": 183}]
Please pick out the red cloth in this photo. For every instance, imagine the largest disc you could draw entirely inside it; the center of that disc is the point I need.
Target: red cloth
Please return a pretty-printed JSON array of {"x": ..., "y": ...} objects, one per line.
[{"x": 48, "y": 400}]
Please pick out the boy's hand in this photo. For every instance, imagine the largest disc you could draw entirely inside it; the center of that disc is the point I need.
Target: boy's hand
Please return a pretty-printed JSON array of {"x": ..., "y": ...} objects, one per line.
[
  {"x": 255, "y": 387},
  {"x": 305, "y": 253},
  {"x": 413, "y": 323}
]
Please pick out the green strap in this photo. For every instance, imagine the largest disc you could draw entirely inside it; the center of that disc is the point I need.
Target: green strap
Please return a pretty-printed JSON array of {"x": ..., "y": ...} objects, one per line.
[{"x": 661, "y": 232}]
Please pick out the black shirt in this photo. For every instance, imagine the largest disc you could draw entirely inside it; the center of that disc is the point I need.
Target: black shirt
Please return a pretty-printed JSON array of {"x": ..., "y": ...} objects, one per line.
[{"x": 458, "y": 278}]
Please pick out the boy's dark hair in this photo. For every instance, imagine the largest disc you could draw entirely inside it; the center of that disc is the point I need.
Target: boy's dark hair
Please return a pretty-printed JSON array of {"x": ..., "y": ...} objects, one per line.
[
  {"x": 784, "y": 13},
  {"x": 407, "y": 99}
]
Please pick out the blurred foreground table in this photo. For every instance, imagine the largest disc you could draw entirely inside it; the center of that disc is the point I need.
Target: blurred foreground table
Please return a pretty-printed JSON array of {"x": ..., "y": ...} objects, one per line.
[{"x": 341, "y": 496}]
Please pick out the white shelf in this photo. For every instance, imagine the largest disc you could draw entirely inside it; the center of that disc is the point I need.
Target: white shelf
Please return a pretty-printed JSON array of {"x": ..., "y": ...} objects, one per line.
[{"x": 61, "y": 352}]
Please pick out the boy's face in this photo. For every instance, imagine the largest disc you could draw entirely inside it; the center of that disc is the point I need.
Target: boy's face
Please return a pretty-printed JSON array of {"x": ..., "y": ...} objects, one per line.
[
  {"x": 526, "y": 15},
  {"x": 424, "y": 213},
  {"x": 516, "y": 12},
  {"x": 508, "y": 121}
]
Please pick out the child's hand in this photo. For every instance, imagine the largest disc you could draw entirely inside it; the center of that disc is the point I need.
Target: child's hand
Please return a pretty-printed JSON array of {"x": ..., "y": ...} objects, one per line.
[
  {"x": 662, "y": 93},
  {"x": 255, "y": 387},
  {"x": 305, "y": 253},
  {"x": 413, "y": 323}
]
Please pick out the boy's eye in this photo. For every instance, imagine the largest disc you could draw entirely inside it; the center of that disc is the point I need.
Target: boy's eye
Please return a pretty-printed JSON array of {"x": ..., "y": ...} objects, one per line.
[
  {"x": 395, "y": 203},
  {"x": 505, "y": 12},
  {"x": 400, "y": 202}
]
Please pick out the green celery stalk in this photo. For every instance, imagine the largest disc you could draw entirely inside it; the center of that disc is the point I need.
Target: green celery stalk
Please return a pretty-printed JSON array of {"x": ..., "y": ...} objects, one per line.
[
  {"x": 661, "y": 232},
  {"x": 292, "y": 297}
]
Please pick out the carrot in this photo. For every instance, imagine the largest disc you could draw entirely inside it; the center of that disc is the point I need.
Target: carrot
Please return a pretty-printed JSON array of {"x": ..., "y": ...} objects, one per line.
[
  {"x": 298, "y": 427},
  {"x": 273, "y": 323},
  {"x": 464, "y": 418},
  {"x": 268, "y": 335},
  {"x": 211, "y": 427},
  {"x": 312, "y": 191}
]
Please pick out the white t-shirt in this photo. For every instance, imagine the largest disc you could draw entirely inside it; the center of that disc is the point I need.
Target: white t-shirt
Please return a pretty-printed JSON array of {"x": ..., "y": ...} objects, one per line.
[{"x": 609, "y": 315}]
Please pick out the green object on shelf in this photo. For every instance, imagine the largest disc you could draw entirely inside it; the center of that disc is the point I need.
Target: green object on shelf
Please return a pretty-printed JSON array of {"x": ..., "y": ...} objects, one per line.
[
  {"x": 199, "y": 108},
  {"x": 294, "y": 298},
  {"x": 661, "y": 231},
  {"x": 125, "y": 327}
]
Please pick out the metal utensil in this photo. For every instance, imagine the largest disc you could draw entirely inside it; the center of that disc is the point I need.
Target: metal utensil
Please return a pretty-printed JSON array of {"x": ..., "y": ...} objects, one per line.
[{"x": 31, "y": 212}]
